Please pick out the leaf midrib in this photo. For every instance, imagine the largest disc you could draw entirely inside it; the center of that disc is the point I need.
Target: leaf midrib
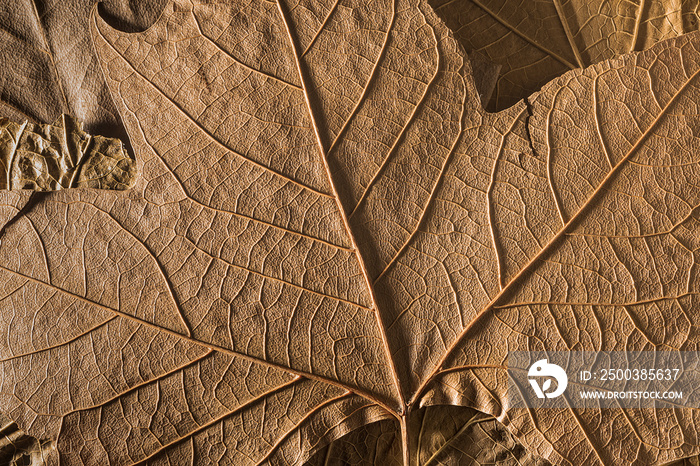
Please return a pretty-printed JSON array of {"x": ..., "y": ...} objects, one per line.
[{"x": 400, "y": 409}]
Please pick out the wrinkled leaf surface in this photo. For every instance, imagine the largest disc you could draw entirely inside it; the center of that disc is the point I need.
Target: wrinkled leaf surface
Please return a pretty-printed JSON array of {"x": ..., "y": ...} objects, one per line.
[{"x": 61, "y": 156}]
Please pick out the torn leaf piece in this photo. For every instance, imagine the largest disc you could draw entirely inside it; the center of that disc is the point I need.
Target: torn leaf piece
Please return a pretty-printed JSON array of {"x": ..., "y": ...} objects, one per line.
[
  {"x": 17, "y": 448},
  {"x": 60, "y": 156}
]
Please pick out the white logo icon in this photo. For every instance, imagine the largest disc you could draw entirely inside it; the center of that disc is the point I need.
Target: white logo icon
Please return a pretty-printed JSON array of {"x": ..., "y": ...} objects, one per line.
[{"x": 542, "y": 368}]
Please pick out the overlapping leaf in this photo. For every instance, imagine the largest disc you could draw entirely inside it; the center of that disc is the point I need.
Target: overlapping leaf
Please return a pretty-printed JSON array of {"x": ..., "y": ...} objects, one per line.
[
  {"x": 534, "y": 42},
  {"x": 440, "y": 435},
  {"x": 49, "y": 68},
  {"x": 329, "y": 231},
  {"x": 17, "y": 448}
]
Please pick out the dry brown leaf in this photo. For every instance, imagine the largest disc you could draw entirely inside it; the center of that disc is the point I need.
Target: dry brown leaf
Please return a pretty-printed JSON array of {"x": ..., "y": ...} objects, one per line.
[
  {"x": 61, "y": 156},
  {"x": 440, "y": 435},
  {"x": 19, "y": 449},
  {"x": 689, "y": 461},
  {"x": 536, "y": 41},
  {"x": 49, "y": 64},
  {"x": 328, "y": 231}
]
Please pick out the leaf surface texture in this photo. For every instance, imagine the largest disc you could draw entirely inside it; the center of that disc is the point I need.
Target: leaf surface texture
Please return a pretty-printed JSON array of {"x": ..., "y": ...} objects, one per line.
[{"x": 329, "y": 232}]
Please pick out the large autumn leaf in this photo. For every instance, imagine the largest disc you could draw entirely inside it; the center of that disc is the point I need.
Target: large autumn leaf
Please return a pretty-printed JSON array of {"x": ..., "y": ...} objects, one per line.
[
  {"x": 536, "y": 41},
  {"x": 329, "y": 231}
]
